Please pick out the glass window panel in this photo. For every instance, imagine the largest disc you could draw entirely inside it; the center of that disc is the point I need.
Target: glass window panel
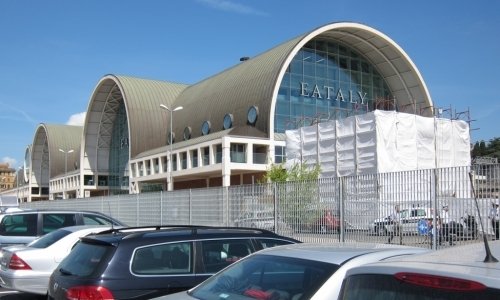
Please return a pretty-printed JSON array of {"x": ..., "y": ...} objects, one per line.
[
  {"x": 296, "y": 109},
  {"x": 308, "y": 68},
  {"x": 283, "y": 107},
  {"x": 355, "y": 77},
  {"x": 299, "y": 56},
  {"x": 366, "y": 79},
  {"x": 309, "y": 109},
  {"x": 355, "y": 65},
  {"x": 343, "y": 62},
  {"x": 296, "y": 67},
  {"x": 284, "y": 94},
  {"x": 321, "y": 70},
  {"x": 377, "y": 82},
  {"x": 365, "y": 67},
  {"x": 307, "y": 56},
  {"x": 295, "y": 81},
  {"x": 333, "y": 47},
  {"x": 321, "y": 45},
  {"x": 345, "y": 76},
  {"x": 320, "y": 58},
  {"x": 333, "y": 73},
  {"x": 295, "y": 95},
  {"x": 332, "y": 60}
]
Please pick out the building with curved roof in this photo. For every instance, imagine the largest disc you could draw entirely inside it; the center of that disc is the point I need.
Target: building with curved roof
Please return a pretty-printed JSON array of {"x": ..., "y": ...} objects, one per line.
[
  {"x": 52, "y": 163},
  {"x": 143, "y": 135}
]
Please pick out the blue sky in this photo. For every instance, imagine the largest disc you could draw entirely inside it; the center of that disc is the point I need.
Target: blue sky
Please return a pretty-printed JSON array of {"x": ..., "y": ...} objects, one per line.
[{"x": 53, "y": 53}]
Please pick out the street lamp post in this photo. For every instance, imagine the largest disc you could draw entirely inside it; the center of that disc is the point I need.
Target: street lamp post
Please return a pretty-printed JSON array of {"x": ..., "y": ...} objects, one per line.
[
  {"x": 17, "y": 183},
  {"x": 65, "y": 170},
  {"x": 170, "y": 182}
]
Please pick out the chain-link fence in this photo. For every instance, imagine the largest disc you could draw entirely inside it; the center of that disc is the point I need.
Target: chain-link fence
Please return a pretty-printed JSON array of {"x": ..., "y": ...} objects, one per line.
[{"x": 435, "y": 207}]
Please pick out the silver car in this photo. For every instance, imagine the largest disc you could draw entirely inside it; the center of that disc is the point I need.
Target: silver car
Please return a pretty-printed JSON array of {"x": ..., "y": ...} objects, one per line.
[
  {"x": 27, "y": 268},
  {"x": 302, "y": 271},
  {"x": 456, "y": 273}
]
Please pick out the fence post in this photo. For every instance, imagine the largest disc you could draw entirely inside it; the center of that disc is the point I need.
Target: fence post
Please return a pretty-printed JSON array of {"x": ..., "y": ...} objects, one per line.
[
  {"x": 190, "y": 209},
  {"x": 275, "y": 203},
  {"x": 161, "y": 207},
  {"x": 137, "y": 210},
  {"x": 341, "y": 208},
  {"x": 225, "y": 199},
  {"x": 435, "y": 209}
]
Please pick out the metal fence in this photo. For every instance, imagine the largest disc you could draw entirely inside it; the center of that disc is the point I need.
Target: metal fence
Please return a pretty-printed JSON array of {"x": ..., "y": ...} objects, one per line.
[{"x": 326, "y": 210}]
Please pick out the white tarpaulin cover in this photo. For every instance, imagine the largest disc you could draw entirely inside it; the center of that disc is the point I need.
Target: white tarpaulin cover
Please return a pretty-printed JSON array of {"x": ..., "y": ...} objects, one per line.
[{"x": 380, "y": 142}]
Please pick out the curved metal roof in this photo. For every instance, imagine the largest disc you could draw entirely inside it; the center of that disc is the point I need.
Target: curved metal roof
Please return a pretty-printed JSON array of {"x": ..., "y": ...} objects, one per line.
[
  {"x": 256, "y": 81},
  {"x": 147, "y": 122},
  {"x": 47, "y": 161}
]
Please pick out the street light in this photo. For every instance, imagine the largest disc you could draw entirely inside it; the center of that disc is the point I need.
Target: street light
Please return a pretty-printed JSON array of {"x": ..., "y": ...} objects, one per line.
[
  {"x": 17, "y": 179},
  {"x": 65, "y": 170},
  {"x": 170, "y": 183}
]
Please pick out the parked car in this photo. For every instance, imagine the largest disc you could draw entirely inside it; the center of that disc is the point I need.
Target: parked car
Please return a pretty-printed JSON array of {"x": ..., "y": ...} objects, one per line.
[
  {"x": 319, "y": 220},
  {"x": 326, "y": 222},
  {"x": 263, "y": 219},
  {"x": 25, "y": 226},
  {"x": 411, "y": 219},
  {"x": 301, "y": 271},
  {"x": 145, "y": 262},
  {"x": 455, "y": 273},
  {"x": 27, "y": 268}
]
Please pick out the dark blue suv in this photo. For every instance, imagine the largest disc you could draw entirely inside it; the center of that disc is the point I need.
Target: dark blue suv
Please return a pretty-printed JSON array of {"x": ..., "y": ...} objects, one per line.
[{"x": 145, "y": 262}]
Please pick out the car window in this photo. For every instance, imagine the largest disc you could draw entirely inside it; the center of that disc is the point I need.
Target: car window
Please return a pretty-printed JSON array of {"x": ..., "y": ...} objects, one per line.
[
  {"x": 19, "y": 225},
  {"x": 266, "y": 277},
  {"x": 421, "y": 212},
  {"x": 49, "y": 239},
  {"x": 218, "y": 254},
  {"x": 268, "y": 243},
  {"x": 53, "y": 221},
  {"x": 174, "y": 258},
  {"x": 90, "y": 219},
  {"x": 84, "y": 259},
  {"x": 388, "y": 287}
]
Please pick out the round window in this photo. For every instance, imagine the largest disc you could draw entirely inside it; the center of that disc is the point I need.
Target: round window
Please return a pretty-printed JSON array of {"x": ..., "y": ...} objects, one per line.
[
  {"x": 187, "y": 133},
  {"x": 228, "y": 121},
  {"x": 205, "y": 128},
  {"x": 253, "y": 113}
]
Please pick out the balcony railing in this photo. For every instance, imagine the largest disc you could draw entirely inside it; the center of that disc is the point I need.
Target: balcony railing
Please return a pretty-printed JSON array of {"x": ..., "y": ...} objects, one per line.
[
  {"x": 238, "y": 157},
  {"x": 259, "y": 158}
]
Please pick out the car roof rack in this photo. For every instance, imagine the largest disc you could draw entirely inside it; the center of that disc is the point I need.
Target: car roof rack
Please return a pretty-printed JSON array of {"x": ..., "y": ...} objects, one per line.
[{"x": 194, "y": 228}]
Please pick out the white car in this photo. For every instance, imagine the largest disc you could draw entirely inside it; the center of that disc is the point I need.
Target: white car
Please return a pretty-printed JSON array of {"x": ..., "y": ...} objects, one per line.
[
  {"x": 412, "y": 220},
  {"x": 449, "y": 274},
  {"x": 301, "y": 271},
  {"x": 27, "y": 268}
]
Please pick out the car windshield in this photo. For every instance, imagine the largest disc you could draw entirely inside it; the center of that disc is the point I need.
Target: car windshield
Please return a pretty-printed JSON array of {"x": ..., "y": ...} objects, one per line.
[
  {"x": 388, "y": 287},
  {"x": 84, "y": 259},
  {"x": 48, "y": 239},
  {"x": 265, "y": 277}
]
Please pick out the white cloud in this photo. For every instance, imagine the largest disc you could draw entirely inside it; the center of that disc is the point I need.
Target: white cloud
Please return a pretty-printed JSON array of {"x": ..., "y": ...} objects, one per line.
[
  {"x": 77, "y": 119},
  {"x": 11, "y": 161},
  {"x": 231, "y": 6}
]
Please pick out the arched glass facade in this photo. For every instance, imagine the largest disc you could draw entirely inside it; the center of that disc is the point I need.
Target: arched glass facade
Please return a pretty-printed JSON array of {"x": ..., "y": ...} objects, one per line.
[
  {"x": 119, "y": 153},
  {"x": 327, "y": 80}
]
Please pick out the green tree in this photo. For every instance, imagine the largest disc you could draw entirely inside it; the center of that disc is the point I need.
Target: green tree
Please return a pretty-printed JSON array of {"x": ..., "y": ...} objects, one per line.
[
  {"x": 490, "y": 149},
  {"x": 297, "y": 188},
  {"x": 298, "y": 172}
]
